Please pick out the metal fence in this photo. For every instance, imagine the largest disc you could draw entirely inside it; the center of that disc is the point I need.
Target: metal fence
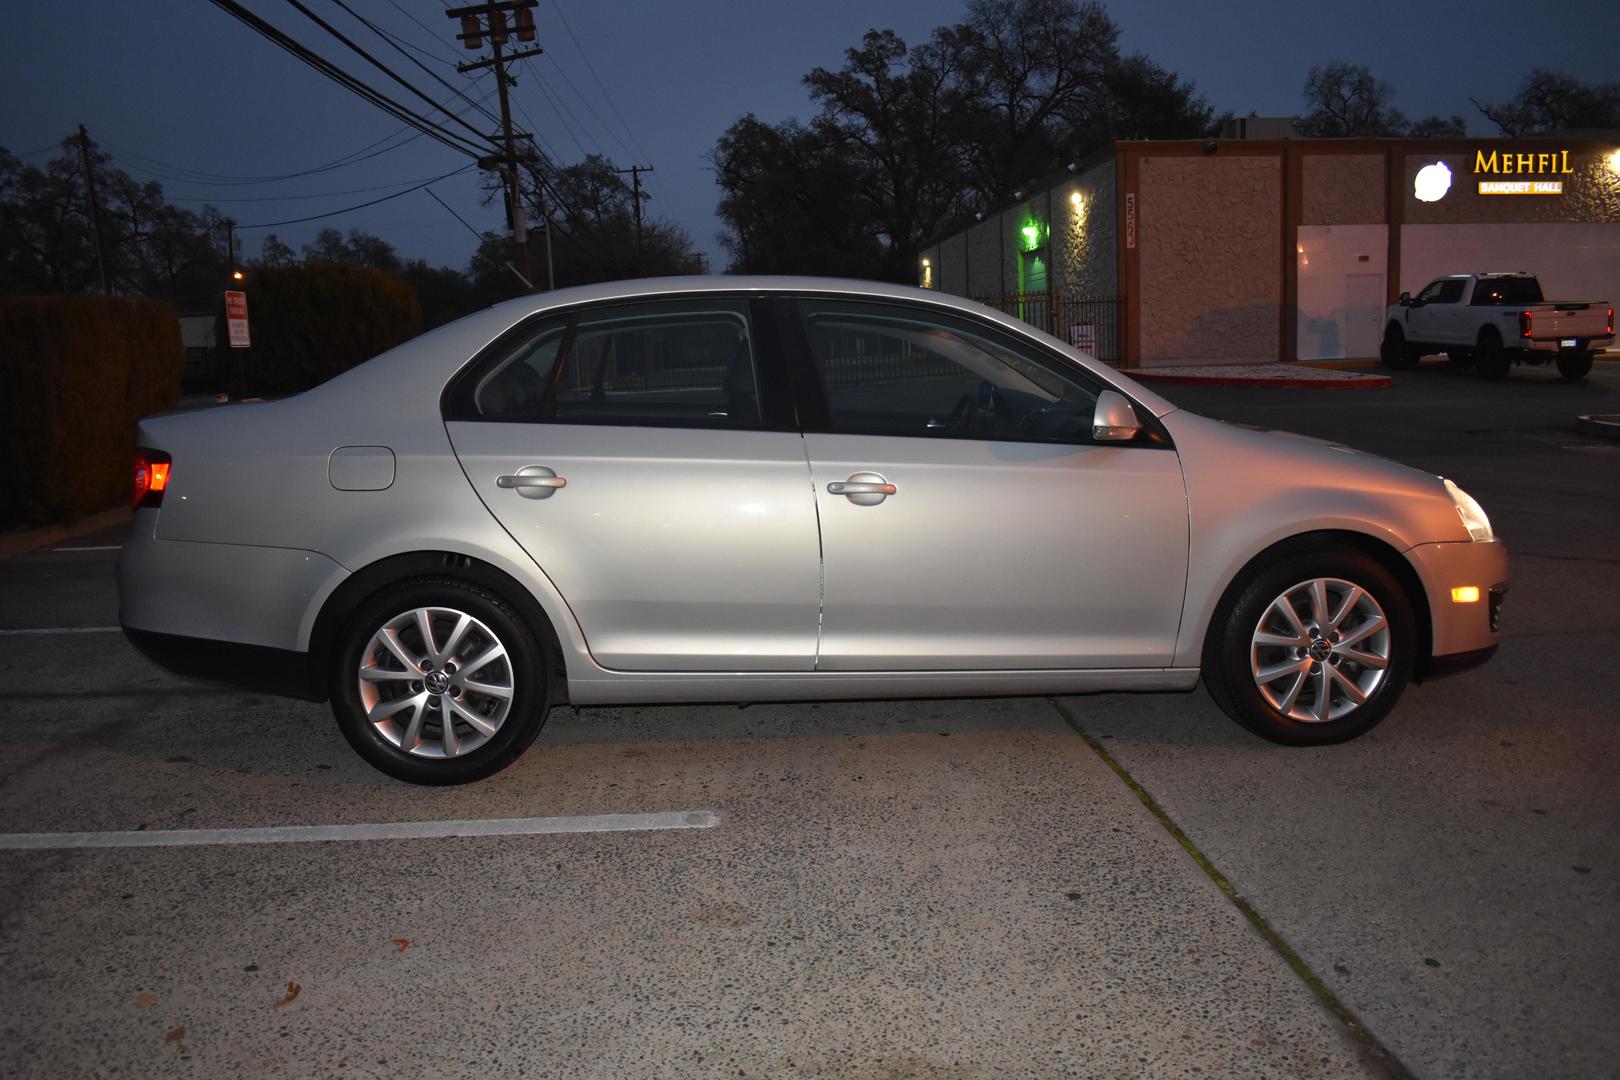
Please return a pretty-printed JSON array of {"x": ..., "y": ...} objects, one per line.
[{"x": 1091, "y": 324}]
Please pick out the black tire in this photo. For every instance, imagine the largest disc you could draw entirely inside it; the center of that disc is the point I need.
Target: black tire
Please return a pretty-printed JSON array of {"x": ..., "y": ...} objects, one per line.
[
  {"x": 1396, "y": 354},
  {"x": 1574, "y": 365},
  {"x": 1491, "y": 360},
  {"x": 524, "y": 674},
  {"x": 1230, "y": 646}
]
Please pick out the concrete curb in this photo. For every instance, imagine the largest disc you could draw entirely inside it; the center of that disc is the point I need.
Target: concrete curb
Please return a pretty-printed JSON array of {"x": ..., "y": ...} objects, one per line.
[
  {"x": 1350, "y": 382},
  {"x": 1603, "y": 425},
  {"x": 21, "y": 543}
]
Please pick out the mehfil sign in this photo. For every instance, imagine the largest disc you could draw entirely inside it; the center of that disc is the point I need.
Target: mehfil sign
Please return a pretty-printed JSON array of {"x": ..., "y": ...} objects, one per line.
[
  {"x": 236, "y": 320},
  {"x": 1508, "y": 163}
]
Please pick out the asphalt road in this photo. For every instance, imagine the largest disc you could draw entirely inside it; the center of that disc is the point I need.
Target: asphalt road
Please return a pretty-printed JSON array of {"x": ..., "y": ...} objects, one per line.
[{"x": 926, "y": 889}]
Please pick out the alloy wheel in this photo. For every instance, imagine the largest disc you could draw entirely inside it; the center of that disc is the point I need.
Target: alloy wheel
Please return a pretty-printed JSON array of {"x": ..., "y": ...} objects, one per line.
[
  {"x": 1320, "y": 650},
  {"x": 435, "y": 682}
]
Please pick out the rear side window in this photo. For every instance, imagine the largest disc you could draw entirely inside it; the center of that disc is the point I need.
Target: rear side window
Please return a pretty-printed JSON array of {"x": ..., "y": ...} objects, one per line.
[
  {"x": 686, "y": 363},
  {"x": 1506, "y": 291},
  {"x": 678, "y": 363}
]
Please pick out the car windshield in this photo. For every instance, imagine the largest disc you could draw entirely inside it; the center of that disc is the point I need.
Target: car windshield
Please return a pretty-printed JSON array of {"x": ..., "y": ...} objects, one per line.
[{"x": 1500, "y": 291}]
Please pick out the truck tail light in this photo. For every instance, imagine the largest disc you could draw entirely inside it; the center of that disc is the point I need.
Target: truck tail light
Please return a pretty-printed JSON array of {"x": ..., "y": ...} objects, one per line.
[
  {"x": 151, "y": 477},
  {"x": 1525, "y": 318},
  {"x": 1610, "y": 328}
]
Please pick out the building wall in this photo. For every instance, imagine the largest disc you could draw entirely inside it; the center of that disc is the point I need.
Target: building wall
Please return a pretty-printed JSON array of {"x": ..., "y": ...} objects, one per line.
[
  {"x": 1342, "y": 189},
  {"x": 1209, "y": 234},
  {"x": 1591, "y": 190},
  {"x": 1084, "y": 254},
  {"x": 983, "y": 246},
  {"x": 952, "y": 272}
]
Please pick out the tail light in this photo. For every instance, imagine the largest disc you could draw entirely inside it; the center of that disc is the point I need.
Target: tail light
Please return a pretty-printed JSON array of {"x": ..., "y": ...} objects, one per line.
[
  {"x": 1525, "y": 318},
  {"x": 151, "y": 478},
  {"x": 1610, "y": 328}
]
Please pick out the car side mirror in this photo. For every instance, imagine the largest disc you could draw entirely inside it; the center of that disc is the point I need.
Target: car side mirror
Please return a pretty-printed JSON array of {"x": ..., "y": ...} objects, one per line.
[
  {"x": 1405, "y": 300},
  {"x": 1114, "y": 420}
]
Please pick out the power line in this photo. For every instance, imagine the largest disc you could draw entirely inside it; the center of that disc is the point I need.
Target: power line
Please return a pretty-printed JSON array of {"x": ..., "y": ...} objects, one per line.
[
  {"x": 384, "y": 68},
  {"x": 598, "y": 116},
  {"x": 359, "y": 206},
  {"x": 599, "y": 85},
  {"x": 287, "y": 198},
  {"x": 350, "y": 82},
  {"x": 388, "y": 38},
  {"x": 545, "y": 92}
]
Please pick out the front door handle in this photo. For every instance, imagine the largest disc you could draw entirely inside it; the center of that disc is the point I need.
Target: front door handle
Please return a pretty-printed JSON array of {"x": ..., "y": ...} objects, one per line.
[
  {"x": 532, "y": 482},
  {"x": 862, "y": 488}
]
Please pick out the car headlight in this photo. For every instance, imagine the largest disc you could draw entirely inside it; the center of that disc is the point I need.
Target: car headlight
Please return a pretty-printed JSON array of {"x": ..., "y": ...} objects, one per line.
[{"x": 1472, "y": 514}]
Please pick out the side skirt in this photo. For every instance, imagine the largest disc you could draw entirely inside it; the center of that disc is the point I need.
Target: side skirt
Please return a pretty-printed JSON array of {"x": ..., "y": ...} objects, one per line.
[{"x": 603, "y": 687}]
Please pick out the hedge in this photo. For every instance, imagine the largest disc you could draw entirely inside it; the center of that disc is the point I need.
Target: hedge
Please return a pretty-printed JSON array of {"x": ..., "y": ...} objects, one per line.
[
  {"x": 78, "y": 372},
  {"x": 308, "y": 323}
]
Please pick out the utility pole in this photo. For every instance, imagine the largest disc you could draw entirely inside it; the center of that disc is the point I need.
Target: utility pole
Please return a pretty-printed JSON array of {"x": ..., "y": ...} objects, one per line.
[
  {"x": 635, "y": 172},
  {"x": 479, "y": 21},
  {"x": 95, "y": 208}
]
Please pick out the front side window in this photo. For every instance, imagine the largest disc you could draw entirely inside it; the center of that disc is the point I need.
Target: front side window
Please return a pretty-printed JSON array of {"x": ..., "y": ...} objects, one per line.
[
  {"x": 1443, "y": 291},
  {"x": 888, "y": 369},
  {"x": 676, "y": 363}
]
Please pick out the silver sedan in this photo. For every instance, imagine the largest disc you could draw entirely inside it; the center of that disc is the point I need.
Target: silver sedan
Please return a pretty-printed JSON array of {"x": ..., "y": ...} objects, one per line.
[{"x": 771, "y": 489}]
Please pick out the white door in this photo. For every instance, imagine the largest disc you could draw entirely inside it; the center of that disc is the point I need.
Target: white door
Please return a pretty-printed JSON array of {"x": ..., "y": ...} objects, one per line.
[{"x": 1363, "y": 315}]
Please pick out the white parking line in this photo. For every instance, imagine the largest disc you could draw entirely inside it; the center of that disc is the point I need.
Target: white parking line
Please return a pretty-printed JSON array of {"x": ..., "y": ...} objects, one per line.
[
  {"x": 24, "y": 632},
  {"x": 393, "y": 830},
  {"x": 93, "y": 547}
]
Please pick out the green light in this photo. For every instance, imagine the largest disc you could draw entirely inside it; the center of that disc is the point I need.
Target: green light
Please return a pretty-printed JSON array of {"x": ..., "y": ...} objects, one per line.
[{"x": 1034, "y": 234}]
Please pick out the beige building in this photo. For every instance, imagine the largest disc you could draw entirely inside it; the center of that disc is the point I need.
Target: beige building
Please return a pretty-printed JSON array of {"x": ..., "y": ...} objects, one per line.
[{"x": 1158, "y": 253}]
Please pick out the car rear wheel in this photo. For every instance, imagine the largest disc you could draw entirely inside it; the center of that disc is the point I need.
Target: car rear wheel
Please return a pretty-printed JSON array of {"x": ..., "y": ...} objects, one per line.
[
  {"x": 1314, "y": 649},
  {"x": 1574, "y": 364},
  {"x": 1396, "y": 354},
  {"x": 1491, "y": 360},
  {"x": 438, "y": 681}
]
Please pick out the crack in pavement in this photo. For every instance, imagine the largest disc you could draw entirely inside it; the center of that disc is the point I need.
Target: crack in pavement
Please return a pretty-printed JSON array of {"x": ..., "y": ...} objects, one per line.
[{"x": 1376, "y": 1052}]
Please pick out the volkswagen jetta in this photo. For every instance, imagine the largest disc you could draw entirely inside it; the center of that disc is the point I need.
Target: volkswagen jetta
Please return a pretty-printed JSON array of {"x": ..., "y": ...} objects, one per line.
[{"x": 767, "y": 489}]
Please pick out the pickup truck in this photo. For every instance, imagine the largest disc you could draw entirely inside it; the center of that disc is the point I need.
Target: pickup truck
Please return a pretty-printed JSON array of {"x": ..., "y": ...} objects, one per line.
[{"x": 1494, "y": 321}]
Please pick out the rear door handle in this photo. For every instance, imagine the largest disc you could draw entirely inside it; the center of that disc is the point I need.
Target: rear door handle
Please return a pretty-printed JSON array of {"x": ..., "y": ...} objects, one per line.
[
  {"x": 532, "y": 482},
  {"x": 862, "y": 488}
]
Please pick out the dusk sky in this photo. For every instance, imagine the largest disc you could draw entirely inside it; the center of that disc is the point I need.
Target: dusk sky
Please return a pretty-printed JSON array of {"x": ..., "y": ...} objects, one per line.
[{"x": 179, "y": 88}]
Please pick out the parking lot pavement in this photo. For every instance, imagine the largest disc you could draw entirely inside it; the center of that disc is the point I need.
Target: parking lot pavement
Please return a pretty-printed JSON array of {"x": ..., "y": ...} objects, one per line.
[
  {"x": 929, "y": 889},
  {"x": 1451, "y": 877},
  {"x": 926, "y": 889}
]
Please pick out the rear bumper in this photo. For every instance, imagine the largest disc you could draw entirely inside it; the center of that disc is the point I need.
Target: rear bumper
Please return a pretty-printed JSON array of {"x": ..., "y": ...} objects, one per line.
[
  {"x": 229, "y": 663},
  {"x": 1551, "y": 344}
]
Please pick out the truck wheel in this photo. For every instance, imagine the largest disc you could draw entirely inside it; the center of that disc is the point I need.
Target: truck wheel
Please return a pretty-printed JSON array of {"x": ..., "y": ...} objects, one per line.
[
  {"x": 1396, "y": 354},
  {"x": 1491, "y": 360},
  {"x": 1574, "y": 364}
]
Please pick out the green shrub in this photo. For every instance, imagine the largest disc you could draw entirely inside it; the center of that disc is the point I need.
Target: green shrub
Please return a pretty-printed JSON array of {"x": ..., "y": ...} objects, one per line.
[
  {"x": 78, "y": 372},
  {"x": 308, "y": 323}
]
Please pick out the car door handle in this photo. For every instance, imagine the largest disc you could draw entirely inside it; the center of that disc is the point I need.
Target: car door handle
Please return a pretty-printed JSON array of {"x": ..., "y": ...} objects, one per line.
[
  {"x": 859, "y": 487},
  {"x": 862, "y": 488},
  {"x": 532, "y": 482}
]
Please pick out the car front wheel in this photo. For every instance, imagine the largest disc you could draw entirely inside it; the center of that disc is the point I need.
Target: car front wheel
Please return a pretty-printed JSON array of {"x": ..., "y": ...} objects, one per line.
[
  {"x": 1314, "y": 649},
  {"x": 438, "y": 681}
]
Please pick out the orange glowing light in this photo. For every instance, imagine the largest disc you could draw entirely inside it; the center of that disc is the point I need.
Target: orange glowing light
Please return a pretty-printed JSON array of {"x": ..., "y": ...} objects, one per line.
[{"x": 1465, "y": 594}]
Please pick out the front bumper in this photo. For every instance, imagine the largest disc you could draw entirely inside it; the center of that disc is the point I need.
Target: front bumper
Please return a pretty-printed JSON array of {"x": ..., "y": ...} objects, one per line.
[{"x": 1459, "y": 628}]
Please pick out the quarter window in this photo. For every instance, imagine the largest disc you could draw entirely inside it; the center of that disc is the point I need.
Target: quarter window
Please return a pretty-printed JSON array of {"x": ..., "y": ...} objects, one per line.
[{"x": 887, "y": 369}]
